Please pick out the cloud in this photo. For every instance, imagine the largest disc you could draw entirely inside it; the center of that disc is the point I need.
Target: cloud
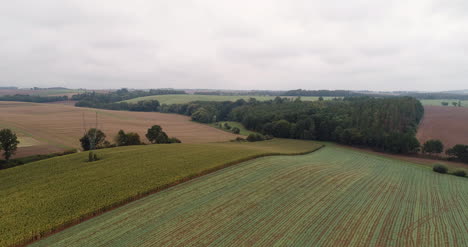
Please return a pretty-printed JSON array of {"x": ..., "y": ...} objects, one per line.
[{"x": 264, "y": 44}]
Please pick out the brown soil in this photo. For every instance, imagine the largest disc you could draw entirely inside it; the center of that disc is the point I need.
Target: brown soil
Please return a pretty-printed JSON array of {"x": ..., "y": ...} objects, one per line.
[
  {"x": 58, "y": 127},
  {"x": 416, "y": 159},
  {"x": 448, "y": 124}
]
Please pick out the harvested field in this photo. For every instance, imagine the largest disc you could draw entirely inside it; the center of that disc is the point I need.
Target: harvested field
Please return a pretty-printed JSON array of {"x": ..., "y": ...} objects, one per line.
[
  {"x": 58, "y": 127},
  {"x": 438, "y": 102},
  {"x": 40, "y": 197},
  {"x": 332, "y": 197},
  {"x": 448, "y": 124}
]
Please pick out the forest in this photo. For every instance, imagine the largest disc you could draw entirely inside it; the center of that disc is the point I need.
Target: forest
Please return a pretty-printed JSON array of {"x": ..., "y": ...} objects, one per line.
[{"x": 387, "y": 124}]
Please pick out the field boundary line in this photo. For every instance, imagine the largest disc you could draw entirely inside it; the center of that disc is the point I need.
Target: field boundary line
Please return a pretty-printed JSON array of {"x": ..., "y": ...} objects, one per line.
[{"x": 124, "y": 202}]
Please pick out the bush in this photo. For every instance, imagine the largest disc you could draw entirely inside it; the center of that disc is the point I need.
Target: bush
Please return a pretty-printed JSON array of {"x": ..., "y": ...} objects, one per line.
[
  {"x": 174, "y": 140},
  {"x": 440, "y": 169},
  {"x": 255, "y": 138},
  {"x": 227, "y": 126},
  {"x": 239, "y": 139},
  {"x": 235, "y": 130},
  {"x": 459, "y": 173}
]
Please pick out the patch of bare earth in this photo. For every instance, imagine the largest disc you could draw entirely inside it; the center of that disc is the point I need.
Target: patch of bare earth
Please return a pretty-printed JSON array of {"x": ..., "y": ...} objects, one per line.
[
  {"x": 58, "y": 127},
  {"x": 448, "y": 124}
]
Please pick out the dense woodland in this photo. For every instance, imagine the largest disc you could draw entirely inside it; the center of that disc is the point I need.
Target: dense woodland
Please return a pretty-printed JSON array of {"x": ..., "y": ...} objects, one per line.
[
  {"x": 387, "y": 124},
  {"x": 33, "y": 98},
  {"x": 323, "y": 93}
]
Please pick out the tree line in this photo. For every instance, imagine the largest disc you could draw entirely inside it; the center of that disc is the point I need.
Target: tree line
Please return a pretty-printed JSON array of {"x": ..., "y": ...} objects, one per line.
[
  {"x": 33, "y": 98},
  {"x": 96, "y": 139}
]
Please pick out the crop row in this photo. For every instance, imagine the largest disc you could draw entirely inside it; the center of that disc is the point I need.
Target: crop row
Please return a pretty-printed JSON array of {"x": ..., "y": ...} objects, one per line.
[{"x": 333, "y": 197}]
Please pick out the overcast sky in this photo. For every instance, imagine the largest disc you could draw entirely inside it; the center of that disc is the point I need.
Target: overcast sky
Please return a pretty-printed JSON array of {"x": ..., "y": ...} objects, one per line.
[{"x": 241, "y": 44}]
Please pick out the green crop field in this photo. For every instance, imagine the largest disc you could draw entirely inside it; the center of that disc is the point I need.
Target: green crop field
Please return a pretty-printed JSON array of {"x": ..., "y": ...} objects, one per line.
[
  {"x": 243, "y": 130},
  {"x": 332, "y": 197},
  {"x": 44, "y": 196},
  {"x": 186, "y": 98},
  {"x": 438, "y": 102}
]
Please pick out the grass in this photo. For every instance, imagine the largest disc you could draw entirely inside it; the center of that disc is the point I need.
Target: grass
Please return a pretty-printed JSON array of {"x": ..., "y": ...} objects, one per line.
[
  {"x": 332, "y": 197},
  {"x": 438, "y": 102},
  {"x": 243, "y": 130},
  {"x": 186, "y": 98},
  {"x": 41, "y": 197}
]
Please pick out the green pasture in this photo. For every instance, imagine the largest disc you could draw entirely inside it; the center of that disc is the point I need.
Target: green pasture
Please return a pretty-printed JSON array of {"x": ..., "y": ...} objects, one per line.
[
  {"x": 332, "y": 197},
  {"x": 438, "y": 102},
  {"x": 186, "y": 98},
  {"x": 40, "y": 197}
]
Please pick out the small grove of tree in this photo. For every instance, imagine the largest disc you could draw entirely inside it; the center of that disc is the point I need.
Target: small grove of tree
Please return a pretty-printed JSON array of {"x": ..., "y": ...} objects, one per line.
[
  {"x": 454, "y": 103},
  {"x": 444, "y": 103},
  {"x": 156, "y": 135},
  {"x": 127, "y": 139},
  {"x": 433, "y": 147},
  {"x": 8, "y": 143},
  {"x": 459, "y": 152},
  {"x": 92, "y": 139}
]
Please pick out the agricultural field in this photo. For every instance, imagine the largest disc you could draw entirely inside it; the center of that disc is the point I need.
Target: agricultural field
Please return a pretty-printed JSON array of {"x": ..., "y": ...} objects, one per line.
[
  {"x": 438, "y": 102},
  {"x": 332, "y": 197},
  {"x": 49, "y": 128},
  {"x": 40, "y": 197},
  {"x": 448, "y": 124},
  {"x": 186, "y": 98}
]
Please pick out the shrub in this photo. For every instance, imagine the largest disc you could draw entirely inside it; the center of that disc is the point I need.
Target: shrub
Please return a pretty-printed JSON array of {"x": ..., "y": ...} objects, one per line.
[
  {"x": 235, "y": 130},
  {"x": 440, "y": 169},
  {"x": 459, "y": 173},
  {"x": 227, "y": 126},
  {"x": 239, "y": 139},
  {"x": 255, "y": 137},
  {"x": 174, "y": 140}
]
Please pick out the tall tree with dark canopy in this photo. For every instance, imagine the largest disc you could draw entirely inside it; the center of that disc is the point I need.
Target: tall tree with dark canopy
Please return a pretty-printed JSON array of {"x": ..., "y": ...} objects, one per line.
[
  {"x": 8, "y": 143},
  {"x": 156, "y": 135},
  {"x": 433, "y": 147},
  {"x": 92, "y": 139}
]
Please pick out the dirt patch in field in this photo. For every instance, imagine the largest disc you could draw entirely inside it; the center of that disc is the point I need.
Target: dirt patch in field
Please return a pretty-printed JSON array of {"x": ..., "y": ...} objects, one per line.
[
  {"x": 448, "y": 124},
  {"x": 58, "y": 127}
]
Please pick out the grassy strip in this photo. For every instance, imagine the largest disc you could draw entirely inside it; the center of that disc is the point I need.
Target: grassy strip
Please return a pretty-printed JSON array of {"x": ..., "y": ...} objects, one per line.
[
  {"x": 243, "y": 130},
  {"x": 25, "y": 160},
  {"x": 44, "y": 197}
]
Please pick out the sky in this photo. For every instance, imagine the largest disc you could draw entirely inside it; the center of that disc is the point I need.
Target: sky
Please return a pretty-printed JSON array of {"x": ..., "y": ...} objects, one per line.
[{"x": 219, "y": 44}]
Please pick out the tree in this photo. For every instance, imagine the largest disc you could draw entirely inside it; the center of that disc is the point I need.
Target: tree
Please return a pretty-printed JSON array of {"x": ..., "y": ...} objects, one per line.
[
  {"x": 454, "y": 103},
  {"x": 320, "y": 98},
  {"x": 156, "y": 135},
  {"x": 459, "y": 103},
  {"x": 281, "y": 128},
  {"x": 92, "y": 139},
  {"x": 127, "y": 139},
  {"x": 8, "y": 142},
  {"x": 433, "y": 147},
  {"x": 459, "y": 151},
  {"x": 444, "y": 103}
]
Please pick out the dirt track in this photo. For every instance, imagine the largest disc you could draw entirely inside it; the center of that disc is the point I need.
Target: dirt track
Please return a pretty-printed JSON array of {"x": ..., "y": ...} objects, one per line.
[
  {"x": 448, "y": 124},
  {"x": 58, "y": 127}
]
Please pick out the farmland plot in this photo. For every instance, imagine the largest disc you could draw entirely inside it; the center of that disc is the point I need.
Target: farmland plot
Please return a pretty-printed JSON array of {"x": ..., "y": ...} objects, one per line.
[{"x": 333, "y": 197}]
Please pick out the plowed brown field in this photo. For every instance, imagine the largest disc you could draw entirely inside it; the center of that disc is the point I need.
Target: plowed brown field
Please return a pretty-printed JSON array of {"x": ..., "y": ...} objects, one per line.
[
  {"x": 58, "y": 127},
  {"x": 448, "y": 124}
]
